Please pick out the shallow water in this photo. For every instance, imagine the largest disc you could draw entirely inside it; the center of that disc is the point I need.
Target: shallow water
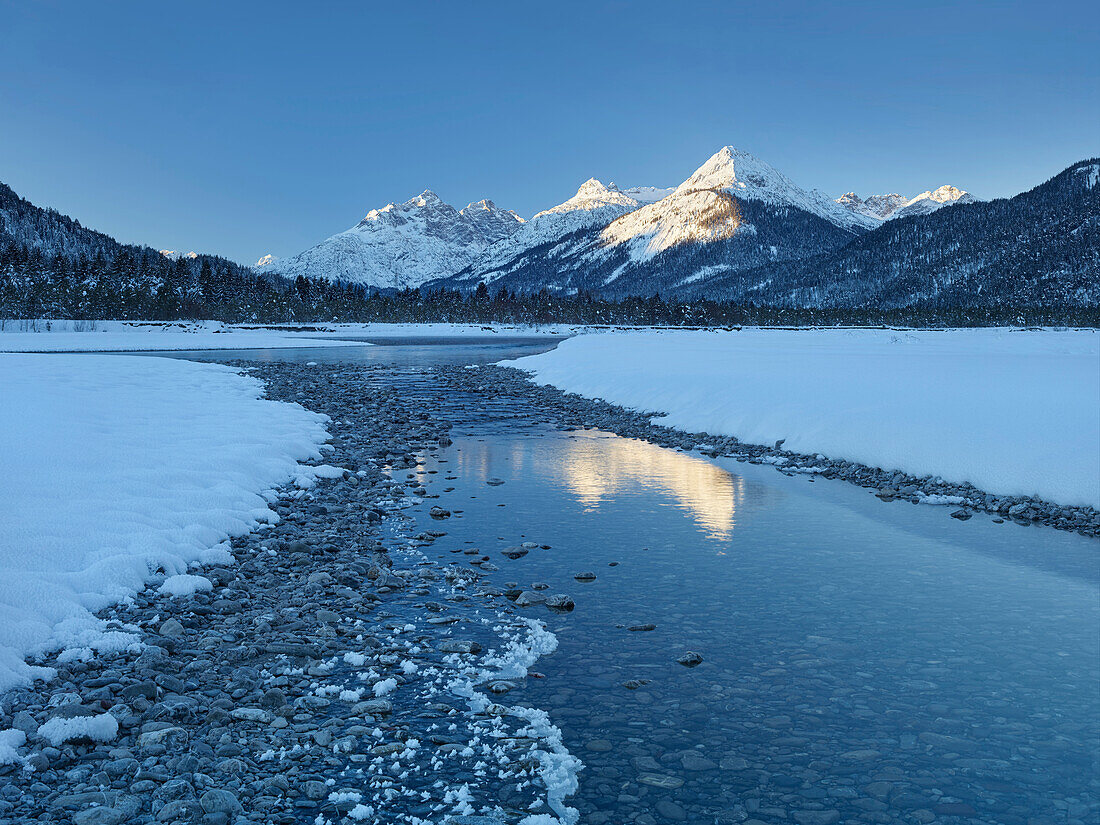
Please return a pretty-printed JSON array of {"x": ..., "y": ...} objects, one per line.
[{"x": 862, "y": 661}]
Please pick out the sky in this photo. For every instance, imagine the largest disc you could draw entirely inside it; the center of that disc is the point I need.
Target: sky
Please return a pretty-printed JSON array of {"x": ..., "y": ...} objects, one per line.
[{"x": 246, "y": 128}]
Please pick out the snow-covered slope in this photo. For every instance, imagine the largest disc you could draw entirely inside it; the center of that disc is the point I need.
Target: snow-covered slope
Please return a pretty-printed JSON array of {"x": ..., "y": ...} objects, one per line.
[
  {"x": 879, "y": 207},
  {"x": 733, "y": 213},
  {"x": 887, "y": 207},
  {"x": 266, "y": 262},
  {"x": 927, "y": 202},
  {"x": 694, "y": 216},
  {"x": 116, "y": 466},
  {"x": 704, "y": 208},
  {"x": 405, "y": 245},
  {"x": 648, "y": 194},
  {"x": 594, "y": 206}
]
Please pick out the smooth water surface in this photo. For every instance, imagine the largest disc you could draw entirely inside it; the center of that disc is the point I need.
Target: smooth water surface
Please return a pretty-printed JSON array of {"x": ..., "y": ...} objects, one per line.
[
  {"x": 862, "y": 661},
  {"x": 406, "y": 352}
]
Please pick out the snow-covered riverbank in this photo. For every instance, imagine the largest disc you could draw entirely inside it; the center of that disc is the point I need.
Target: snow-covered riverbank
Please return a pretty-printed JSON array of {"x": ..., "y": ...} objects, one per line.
[
  {"x": 115, "y": 466},
  {"x": 1011, "y": 412},
  {"x": 137, "y": 336}
]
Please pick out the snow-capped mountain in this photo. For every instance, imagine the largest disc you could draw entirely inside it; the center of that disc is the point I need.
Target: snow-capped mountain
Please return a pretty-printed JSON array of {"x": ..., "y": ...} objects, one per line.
[
  {"x": 927, "y": 202},
  {"x": 887, "y": 207},
  {"x": 744, "y": 175},
  {"x": 1039, "y": 248},
  {"x": 405, "y": 245},
  {"x": 266, "y": 262},
  {"x": 592, "y": 195},
  {"x": 879, "y": 207},
  {"x": 593, "y": 207},
  {"x": 735, "y": 211},
  {"x": 173, "y": 255}
]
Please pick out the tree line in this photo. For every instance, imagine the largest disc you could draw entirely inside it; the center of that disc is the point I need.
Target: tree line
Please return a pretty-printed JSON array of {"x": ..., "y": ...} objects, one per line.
[{"x": 140, "y": 284}]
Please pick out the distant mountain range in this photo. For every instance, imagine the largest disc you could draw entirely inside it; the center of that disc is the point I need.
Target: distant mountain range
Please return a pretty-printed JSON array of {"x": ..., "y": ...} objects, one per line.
[
  {"x": 1039, "y": 248},
  {"x": 736, "y": 230},
  {"x": 887, "y": 207},
  {"x": 734, "y": 214}
]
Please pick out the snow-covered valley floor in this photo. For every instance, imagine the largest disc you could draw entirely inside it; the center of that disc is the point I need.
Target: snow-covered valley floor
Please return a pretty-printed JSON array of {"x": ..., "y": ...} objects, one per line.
[
  {"x": 136, "y": 336},
  {"x": 1012, "y": 412},
  {"x": 115, "y": 467}
]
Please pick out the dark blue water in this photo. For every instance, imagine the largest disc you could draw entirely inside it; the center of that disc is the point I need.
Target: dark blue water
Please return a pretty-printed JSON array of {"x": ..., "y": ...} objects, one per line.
[{"x": 862, "y": 661}]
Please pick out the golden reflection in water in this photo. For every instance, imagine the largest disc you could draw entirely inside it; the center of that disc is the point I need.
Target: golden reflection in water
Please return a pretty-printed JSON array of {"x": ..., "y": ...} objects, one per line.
[{"x": 598, "y": 468}]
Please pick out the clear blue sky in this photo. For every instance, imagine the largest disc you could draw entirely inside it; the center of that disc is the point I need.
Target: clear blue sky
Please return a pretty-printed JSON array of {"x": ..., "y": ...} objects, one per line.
[{"x": 242, "y": 128}]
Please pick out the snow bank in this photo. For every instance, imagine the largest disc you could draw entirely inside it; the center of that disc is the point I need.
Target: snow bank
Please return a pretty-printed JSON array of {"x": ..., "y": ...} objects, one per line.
[
  {"x": 116, "y": 466},
  {"x": 1012, "y": 412},
  {"x": 135, "y": 336},
  {"x": 126, "y": 336}
]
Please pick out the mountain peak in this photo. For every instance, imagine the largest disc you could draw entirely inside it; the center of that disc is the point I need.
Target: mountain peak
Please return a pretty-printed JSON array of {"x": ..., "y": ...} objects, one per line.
[
  {"x": 944, "y": 193},
  {"x": 930, "y": 201},
  {"x": 731, "y": 168},
  {"x": 484, "y": 204},
  {"x": 591, "y": 195},
  {"x": 744, "y": 175},
  {"x": 879, "y": 207},
  {"x": 594, "y": 188}
]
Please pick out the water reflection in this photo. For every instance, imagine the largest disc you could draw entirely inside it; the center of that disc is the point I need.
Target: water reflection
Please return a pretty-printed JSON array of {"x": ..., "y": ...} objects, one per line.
[{"x": 598, "y": 469}]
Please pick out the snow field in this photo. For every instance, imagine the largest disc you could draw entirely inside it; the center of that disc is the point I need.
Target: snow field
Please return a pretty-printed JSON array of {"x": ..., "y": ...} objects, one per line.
[
  {"x": 1012, "y": 412},
  {"x": 125, "y": 336},
  {"x": 117, "y": 467}
]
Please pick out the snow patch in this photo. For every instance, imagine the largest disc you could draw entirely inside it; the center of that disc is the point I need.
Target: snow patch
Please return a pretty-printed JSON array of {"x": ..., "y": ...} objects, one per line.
[
  {"x": 185, "y": 584},
  {"x": 101, "y": 728},
  {"x": 10, "y": 743}
]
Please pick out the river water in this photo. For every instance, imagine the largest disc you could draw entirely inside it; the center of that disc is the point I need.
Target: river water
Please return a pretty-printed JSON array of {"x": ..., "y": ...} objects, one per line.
[{"x": 862, "y": 661}]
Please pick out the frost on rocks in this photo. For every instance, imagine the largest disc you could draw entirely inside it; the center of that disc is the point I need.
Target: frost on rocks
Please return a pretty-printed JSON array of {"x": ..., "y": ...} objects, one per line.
[
  {"x": 185, "y": 584},
  {"x": 10, "y": 743},
  {"x": 385, "y": 686},
  {"x": 101, "y": 728}
]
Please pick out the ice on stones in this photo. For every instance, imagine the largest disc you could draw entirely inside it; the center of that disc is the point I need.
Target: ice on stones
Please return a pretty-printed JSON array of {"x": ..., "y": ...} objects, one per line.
[
  {"x": 185, "y": 584},
  {"x": 10, "y": 743},
  {"x": 101, "y": 728},
  {"x": 384, "y": 687}
]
